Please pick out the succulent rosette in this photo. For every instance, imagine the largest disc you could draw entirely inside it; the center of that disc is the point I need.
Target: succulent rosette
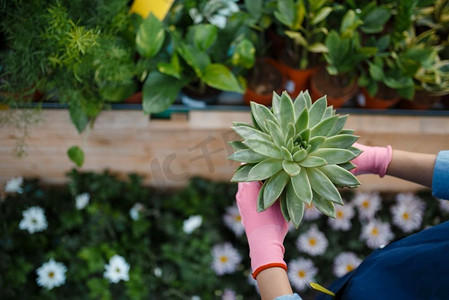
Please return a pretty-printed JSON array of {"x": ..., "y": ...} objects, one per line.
[{"x": 300, "y": 151}]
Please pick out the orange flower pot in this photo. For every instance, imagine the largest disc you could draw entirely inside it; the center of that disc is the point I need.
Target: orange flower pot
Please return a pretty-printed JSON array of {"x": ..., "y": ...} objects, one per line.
[
  {"x": 297, "y": 80},
  {"x": 375, "y": 102}
]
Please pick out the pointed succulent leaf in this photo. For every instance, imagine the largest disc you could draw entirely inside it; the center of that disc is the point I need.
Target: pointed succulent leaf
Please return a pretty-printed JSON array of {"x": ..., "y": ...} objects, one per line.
[
  {"x": 291, "y": 132},
  {"x": 265, "y": 169},
  {"x": 313, "y": 162},
  {"x": 247, "y": 156},
  {"x": 305, "y": 135},
  {"x": 295, "y": 206},
  {"x": 287, "y": 113},
  {"x": 289, "y": 145},
  {"x": 355, "y": 150},
  {"x": 291, "y": 168},
  {"x": 237, "y": 145},
  {"x": 261, "y": 115},
  {"x": 275, "y": 133},
  {"x": 276, "y": 104},
  {"x": 251, "y": 133},
  {"x": 329, "y": 112},
  {"x": 301, "y": 186},
  {"x": 300, "y": 104},
  {"x": 339, "y": 176},
  {"x": 260, "y": 203},
  {"x": 274, "y": 187},
  {"x": 346, "y": 131},
  {"x": 323, "y": 186},
  {"x": 286, "y": 154},
  {"x": 308, "y": 99},
  {"x": 302, "y": 122},
  {"x": 264, "y": 147},
  {"x": 283, "y": 204},
  {"x": 340, "y": 141},
  {"x": 316, "y": 142},
  {"x": 324, "y": 127},
  {"x": 300, "y": 155},
  {"x": 339, "y": 125},
  {"x": 316, "y": 111},
  {"x": 334, "y": 155},
  {"x": 241, "y": 174},
  {"x": 348, "y": 166},
  {"x": 323, "y": 205}
]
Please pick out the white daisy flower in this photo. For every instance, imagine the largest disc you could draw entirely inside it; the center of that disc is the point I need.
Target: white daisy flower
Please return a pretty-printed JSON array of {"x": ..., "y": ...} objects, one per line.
[
  {"x": 228, "y": 294},
  {"x": 343, "y": 216},
  {"x": 157, "y": 272},
  {"x": 311, "y": 212},
  {"x": 444, "y": 205},
  {"x": 135, "y": 211},
  {"x": 408, "y": 212},
  {"x": 376, "y": 234},
  {"x": 345, "y": 262},
  {"x": 301, "y": 272},
  {"x": 51, "y": 274},
  {"x": 33, "y": 220},
  {"x": 192, "y": 223},
  {"x": 225, "y": 259},
  {"x": 82, "y": 200},
  {"x": 195, "y": 297},
  {"x": 14, "y": 185},
  {"x": 117, "y": 269},
  {"x": 368, "y": 204},
  {"x": 233, "y": 220},
  {"x": 312, "y": 242}
]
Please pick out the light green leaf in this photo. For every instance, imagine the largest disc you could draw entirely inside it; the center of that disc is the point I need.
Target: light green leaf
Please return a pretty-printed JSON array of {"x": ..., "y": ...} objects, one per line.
[
  {"x": 263, "y": 147},
  {"x": 244, "y": 54},
  {"x": 287, "y": 113},
  {"x": 339, "y": 176},
  {"x": 318, "y": 48},
  {"x": 340, "y": 141},
  {"x": 247, "y": 156},
  {"x": 274, "y": 187},
  {"x": 291, "y": 168},
  {"x": 241, "y": 174},
  {"x": 305, "y": 135},
  {"x": 283, "y": 204},
  {"x": 339, "y": 125},
  {"x": 334, "y": 155},
  {"x": 323, "y": 186},
  {"x": 150, "y": 36},
  {"x": 312, "y": 162},
  {"x": 317, "y": 110},
  {"x": 220, "y": 77},
  {"x": 300, "y": 103},
  {"x": 276, "y": 104},
  {"x": 321, "y": 15},
  {"x": 237, "y": 145},
  {"x": 76, "y": 155},
  {"x": 324, "y": 128},
  {"x": 260, "y": 203},
  {"x": 315, "y": 143},
  {"x": 261, "y": 115},
  {"x": 291, "y": 132},
  {"x": 248, "y": 133},
  {"x": 204, "y": 35},
  {"x": 265, "y": 169},
  {"x": 299, "y": 155},
  {"x": 286, "y": 154},
  {"x": 295, "y": 206},
  {"x": 275, "y": 133},
  {"x": 301, "y": 186},
  {"x": 323, "y": 205},
  {"x": 303, "y": 121}
]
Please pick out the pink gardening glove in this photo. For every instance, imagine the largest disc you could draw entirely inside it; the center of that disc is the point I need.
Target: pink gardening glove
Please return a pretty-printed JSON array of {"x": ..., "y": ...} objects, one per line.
[
  {"x": 373, "y": 160},
  {"x": 265, "y": 231}
]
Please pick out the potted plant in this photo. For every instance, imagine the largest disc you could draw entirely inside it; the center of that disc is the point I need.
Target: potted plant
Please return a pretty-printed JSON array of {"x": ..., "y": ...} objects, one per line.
[
  {"x": 302, "y": 24},
  {"x": 301, "y": 151},
  {"x": 195, "y": 60}
]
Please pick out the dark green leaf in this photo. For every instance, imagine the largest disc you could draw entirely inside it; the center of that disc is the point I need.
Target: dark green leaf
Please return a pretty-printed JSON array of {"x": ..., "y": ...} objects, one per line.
[
  {"x": 323, "y": 186},
  {"x": 159, "y": 92},
  {"x": 150, "y": 36},
  {"x": 274, "y": 187},
  {"x": 76, "y": 155},
  {"x": 301, "y": 186},
  {"x": 295, "y": 206}
]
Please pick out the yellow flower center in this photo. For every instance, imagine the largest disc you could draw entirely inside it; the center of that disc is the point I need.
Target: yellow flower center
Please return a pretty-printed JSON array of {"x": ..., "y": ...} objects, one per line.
[
  {"x": 349, "y": 267},
  {"x": 238, "y": 218},
  {"x": 223, "y": 259},
  {"x": 312, "y": 242},
  {"x": 301, "y": 274},
  {"x": 375, "y": 231},
  {"x": 405, "y": 216},
  {"x": 339, "y": 214},
  {"x": 117, "y": 270},
  {"x": 51, "y": 274},
  {"x": 365, "y": 204}
]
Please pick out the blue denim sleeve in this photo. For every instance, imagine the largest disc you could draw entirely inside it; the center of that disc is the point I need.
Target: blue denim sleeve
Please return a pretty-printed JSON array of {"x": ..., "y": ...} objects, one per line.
[
  {"x": 440, "y": 182},
  {"x": 289, "y": 297}
]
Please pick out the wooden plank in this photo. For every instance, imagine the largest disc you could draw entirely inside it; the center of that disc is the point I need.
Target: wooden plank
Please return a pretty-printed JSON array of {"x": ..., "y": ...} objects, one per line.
[{"x": 168, "y": 152}]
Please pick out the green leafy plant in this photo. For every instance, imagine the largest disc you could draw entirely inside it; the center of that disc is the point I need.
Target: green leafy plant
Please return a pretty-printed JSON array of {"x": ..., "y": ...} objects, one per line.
[{"x": 301, "y": 151}]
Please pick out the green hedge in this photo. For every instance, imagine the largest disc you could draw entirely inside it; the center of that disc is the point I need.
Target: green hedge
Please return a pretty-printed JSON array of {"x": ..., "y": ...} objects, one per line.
[{"x": 166, "y": 260}]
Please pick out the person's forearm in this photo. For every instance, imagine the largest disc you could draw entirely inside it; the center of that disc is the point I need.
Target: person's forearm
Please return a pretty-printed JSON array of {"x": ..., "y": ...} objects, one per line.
[
  {"x": 272, "y": 283},
  {"x": 415, "y": 167}
]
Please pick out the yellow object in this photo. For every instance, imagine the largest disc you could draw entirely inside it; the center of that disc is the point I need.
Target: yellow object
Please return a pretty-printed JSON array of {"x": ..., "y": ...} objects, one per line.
[
  {"x": 322, "y": 289},
  {"x": 159, "y": 8}
]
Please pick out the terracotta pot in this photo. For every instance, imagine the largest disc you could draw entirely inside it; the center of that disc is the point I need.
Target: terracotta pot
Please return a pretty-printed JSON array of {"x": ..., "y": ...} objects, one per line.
[
  {"x": 297, "y": 80},
  {"x": 253, "y": 93},
  {"x": 422, "y": 100},
  {"x": 135, "y": 98},
  {"x": 377, "y": 102},
  {"x": 321, "y": 83}
]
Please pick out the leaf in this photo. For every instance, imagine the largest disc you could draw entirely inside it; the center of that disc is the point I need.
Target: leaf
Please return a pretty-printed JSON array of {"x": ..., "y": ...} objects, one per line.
[
  {"x": 285, "y": 12},
  {"x": 340, "y": 141},
  {"x": 291, "y": 168},
  {"x": 247, "y": 156},
  {"x": 263, "y": 147},
  {"x": 312, "y": 162},
  {"x": 241, "y": 174},
  {"x": 173, "y": 68},
  {"x": 260, "y": 203},
  {"x": 283, "y": 204},
  {"x": 323, "y": 205},
  {"x": 244, "y": 54},
  {"x": 248, "y": 133},
  {"x": 317, "y": 110},
  {"x": 302, "y": 122},
  {"x": 78, "y": 116},
  {"x": 339, "y": 176},
  {"x": 374, "y": 20},
  {"x": 76, "y": 155},
  {"x": 150, "y": 36},
  {"x": 334, "y": 155},
  {"x": 254, "y": 7},
  {"x": 276, "y": 104},
  {"x": 324, "y": 128},
  {"x": 237, "y": 145},
  {"x": 299, "y": 155},
  {"x": 323, "y": 186},
  {"x": 315, "y": 143},
  {"x": 286, "y": 154},
  {"x": 265, "y": 169},
  {"x": 204, "y": 35},
  {"x": 295, "y": 206},
  {"x": 305, "y": 135},
  {"x": 321, "y": 15},
  {"x": 261, "y": 115},
  {"x": 220, "y": 77},
  {"x": 159, "y": 92},
  {"x": 275, "y": 133},
  {"x": 339, "y": 125},
  {"x": 287, "y": 113},
  {"x": 274, "y": 187},
  {"x": 348, "y": 166},
  {"x": 300, "y": 103},
  {"x": 196, "y": 59},
  {"x": 301, "y": 186}
]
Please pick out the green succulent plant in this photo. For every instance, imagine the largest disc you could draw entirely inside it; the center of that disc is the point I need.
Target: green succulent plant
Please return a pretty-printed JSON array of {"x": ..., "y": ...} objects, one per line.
[{"x": 300, "y": 151}]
